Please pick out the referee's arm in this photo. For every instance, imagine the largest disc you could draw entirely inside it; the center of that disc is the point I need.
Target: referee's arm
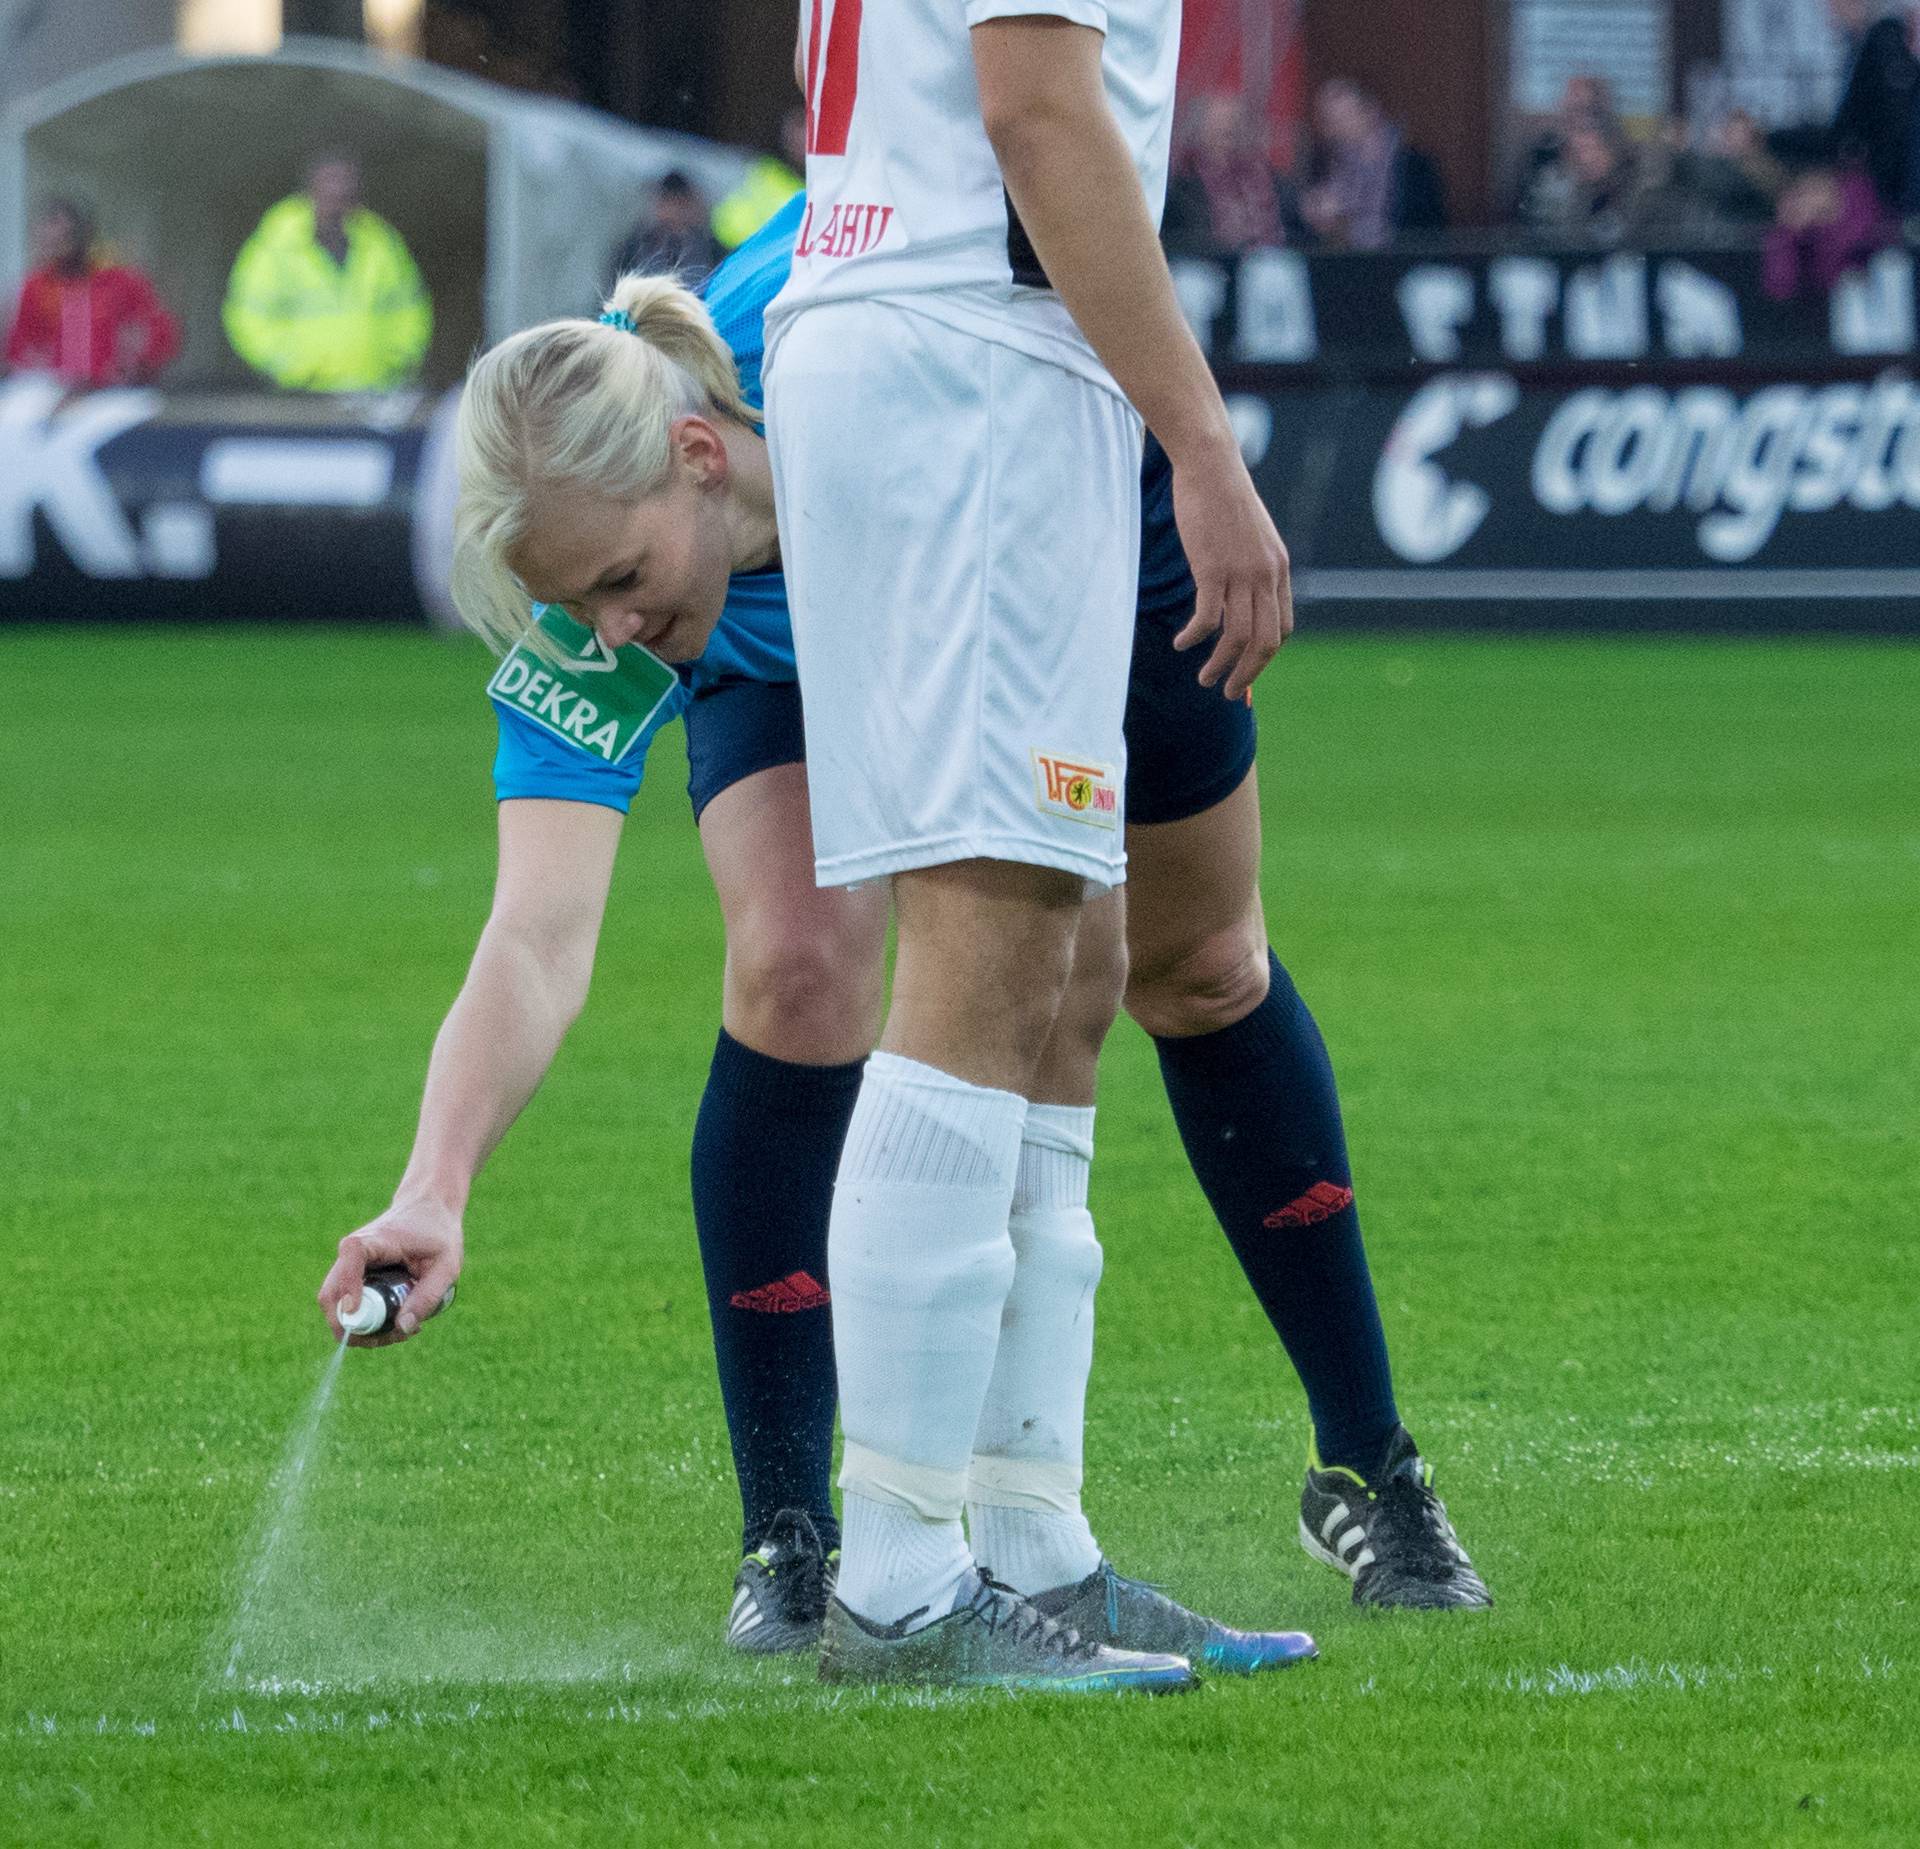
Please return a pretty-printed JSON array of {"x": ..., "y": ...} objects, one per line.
[{"x": 1071, "y": 178}]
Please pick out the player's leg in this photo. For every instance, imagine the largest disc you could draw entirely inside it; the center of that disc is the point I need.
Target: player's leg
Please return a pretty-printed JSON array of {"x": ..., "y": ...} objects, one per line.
[
  {"x": 964, "y": 667},
  {"x": 1253, "y": 1095},
  {"x": 800, "y": 1008},
  {"x": 1254, "y": 1099},
  {"x": 1024, "y": 1514},
  {"x": 1023, "y": 1485},
  {"x": 922, "y": 1253}
]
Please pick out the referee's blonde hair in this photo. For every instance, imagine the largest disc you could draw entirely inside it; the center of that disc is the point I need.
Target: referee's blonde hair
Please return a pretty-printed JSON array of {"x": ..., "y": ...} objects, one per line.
[{"x": 576, "y": 404}]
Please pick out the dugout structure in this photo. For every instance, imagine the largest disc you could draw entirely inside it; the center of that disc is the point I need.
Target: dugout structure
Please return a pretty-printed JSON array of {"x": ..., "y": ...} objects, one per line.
[{"x": 511, "y": 204}]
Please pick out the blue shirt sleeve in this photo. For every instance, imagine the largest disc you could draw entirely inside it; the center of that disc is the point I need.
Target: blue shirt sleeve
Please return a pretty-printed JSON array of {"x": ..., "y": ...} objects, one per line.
[
  {"x": 530, "y": 761},
  {"x": 737, "y": 293}
]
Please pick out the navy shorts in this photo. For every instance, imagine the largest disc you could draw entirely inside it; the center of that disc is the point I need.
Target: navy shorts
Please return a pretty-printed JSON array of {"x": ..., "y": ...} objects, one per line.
[
  {"x": 1188, "y": 747},
  {"x": 737, "y": 728}
]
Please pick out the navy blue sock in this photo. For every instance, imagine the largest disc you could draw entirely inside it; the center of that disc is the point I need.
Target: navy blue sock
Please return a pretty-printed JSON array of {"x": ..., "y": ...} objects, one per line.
[
  {"x": 765, "y": 1149},
  {"x": 1258, "y": 1111}
]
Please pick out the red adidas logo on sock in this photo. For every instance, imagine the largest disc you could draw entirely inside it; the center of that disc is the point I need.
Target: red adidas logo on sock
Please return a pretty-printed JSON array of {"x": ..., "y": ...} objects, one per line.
[
  {"x": 797, "y": 1291},
  {"x": 1320, "y": 1202}
]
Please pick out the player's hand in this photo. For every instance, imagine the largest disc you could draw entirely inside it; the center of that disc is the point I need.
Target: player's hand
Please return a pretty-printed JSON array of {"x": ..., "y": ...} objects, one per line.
[
  {"x": 1241, "y": 573},
  {"x": 426, "y": 1237}
]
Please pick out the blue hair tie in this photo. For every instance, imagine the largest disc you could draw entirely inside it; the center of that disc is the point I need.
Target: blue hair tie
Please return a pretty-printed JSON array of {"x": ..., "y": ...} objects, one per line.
[{"x": 618, "y": 317}]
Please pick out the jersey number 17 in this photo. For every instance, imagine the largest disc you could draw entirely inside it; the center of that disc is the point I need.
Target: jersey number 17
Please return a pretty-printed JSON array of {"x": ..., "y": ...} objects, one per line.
[{"x": 832, "y": 80}]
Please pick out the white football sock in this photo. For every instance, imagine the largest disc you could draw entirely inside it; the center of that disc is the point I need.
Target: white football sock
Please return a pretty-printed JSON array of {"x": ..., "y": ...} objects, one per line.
[
  {"x": 920, "y": 1262},
  {"x": 898, "y": 1557},
  {"x": 1023, "y": 1488}
]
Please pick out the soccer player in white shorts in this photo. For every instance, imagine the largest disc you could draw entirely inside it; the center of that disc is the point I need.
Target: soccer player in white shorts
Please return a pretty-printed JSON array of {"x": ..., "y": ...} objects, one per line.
[{"x": 978, "y": 305}]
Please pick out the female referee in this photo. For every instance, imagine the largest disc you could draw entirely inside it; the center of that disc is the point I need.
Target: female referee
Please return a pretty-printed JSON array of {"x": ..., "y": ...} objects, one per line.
[{"x": 615, "y": 474}]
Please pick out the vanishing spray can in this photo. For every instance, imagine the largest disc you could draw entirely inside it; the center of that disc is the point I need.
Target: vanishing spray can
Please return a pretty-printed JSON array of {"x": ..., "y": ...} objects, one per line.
[{"x": 382, "y": 1292}]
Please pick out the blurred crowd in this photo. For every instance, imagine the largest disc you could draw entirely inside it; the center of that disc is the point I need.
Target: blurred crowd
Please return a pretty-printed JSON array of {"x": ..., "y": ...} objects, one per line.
[
  {"x": 326, "y": 296},
  {"x": 1822, "y": 196},
  {"x": 1357, "y": 183}
]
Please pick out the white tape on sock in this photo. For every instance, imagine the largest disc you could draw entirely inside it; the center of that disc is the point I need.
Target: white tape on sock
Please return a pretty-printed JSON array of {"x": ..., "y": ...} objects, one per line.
[{"x": 932, "y": 1495}]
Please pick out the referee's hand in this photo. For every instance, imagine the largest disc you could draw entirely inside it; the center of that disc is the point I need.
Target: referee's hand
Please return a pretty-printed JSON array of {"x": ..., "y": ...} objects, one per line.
[
  {"x": 426, "y": 1237},
  {"x": 1241, "y": 574}
]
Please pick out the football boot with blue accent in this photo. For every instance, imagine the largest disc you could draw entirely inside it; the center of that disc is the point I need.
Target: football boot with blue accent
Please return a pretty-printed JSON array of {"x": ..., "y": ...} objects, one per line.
[
  {"x": 992, "y": 1639},
  {"x": 1129, "y": 1614}
]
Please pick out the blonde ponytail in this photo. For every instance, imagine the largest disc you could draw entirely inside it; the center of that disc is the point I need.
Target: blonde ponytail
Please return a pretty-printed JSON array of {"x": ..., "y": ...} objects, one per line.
[
  {"x": 673, "y": 321},
  {"x": 577, "y": 404}
]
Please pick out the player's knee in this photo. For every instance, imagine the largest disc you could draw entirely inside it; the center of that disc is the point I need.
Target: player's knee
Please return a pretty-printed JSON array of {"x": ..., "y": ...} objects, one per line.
[
  {"x": 1200, "y": 984},
  {"x": 1097, "y": 988},
  {"x": 803, "y": 991}
]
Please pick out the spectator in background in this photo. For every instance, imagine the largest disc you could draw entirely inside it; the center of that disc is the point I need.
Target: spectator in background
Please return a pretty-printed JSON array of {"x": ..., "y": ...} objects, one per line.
[
  {"x": 1591, "y": 190},
  {"x": 1873, "y": 128},
  {"x": 1586, "y": 99},
  {"x": 1692, "y": 195},
  {"x": 1226, "y": 195},
  {"x": 325, "y": 296},
  {"x": 672, "y": 237},
  {"x": 1831, "y": 221},
  {"x": 83, "y": 317},
  {"x": 1736, "y": 173},
  {"x": 1368, "y": 186},
  {"x": 766, "y": 186}
]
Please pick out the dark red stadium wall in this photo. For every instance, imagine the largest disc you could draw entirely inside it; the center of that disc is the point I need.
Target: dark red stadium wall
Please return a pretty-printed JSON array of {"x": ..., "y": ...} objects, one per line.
[
  {"x": 756, "y": 87},
  {"x": 1434, "y": 63}
]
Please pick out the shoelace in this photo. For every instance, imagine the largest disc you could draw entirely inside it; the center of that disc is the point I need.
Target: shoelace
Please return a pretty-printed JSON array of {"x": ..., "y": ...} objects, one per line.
[
  {"x": 795, "y": 1551},
  {"x": 1000, "y": 1608},
  {"x": 1412, "y": 1513},
  {"x": 1114, "y": 1581}
]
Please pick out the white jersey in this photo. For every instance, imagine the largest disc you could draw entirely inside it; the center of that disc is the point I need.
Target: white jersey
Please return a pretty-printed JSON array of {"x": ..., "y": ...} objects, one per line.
[{"x": 904, "y": 193}]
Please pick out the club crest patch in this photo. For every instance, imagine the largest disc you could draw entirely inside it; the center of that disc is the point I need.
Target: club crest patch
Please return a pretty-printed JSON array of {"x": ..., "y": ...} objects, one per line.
[
  {"x": 1076, "y": 791},
  {"x": 598, "y": 699}
]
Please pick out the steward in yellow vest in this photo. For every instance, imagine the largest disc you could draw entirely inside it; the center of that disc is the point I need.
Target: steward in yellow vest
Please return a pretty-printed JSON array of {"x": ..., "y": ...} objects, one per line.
[{"x": 325, "y": 296}]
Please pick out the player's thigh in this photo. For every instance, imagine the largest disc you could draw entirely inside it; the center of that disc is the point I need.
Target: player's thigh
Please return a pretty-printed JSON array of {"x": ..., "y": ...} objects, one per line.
[
  {"x": 1196, "y": 931},
  {"x": 959, "y": 523},
  {"x": 805, "y": 965},
  {"x": 985, "y": 962}
]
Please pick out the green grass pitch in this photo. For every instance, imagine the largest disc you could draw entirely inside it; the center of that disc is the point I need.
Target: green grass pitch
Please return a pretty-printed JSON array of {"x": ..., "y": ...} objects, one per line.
[{"x": 1616, "y": 945}]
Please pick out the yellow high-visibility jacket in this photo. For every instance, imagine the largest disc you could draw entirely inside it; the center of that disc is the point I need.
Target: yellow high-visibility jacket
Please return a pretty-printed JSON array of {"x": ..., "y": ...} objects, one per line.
[
  {"x": 764, "y": 188},
  {"x": 314, "y": 325}
]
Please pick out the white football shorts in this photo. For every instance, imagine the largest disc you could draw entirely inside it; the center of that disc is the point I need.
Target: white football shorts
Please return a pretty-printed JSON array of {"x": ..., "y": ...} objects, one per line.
[{"x": 960, "y": 530}]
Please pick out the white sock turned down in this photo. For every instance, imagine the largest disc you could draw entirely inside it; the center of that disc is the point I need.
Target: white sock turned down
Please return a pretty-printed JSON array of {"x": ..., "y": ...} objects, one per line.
[
  {"x": 921, "y": 1263},
  {"x": 1023, "y": 1490}
]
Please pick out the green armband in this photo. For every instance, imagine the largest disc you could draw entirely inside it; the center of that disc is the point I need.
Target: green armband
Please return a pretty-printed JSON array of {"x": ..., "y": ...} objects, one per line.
[{"x": 599, "y": 699}]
